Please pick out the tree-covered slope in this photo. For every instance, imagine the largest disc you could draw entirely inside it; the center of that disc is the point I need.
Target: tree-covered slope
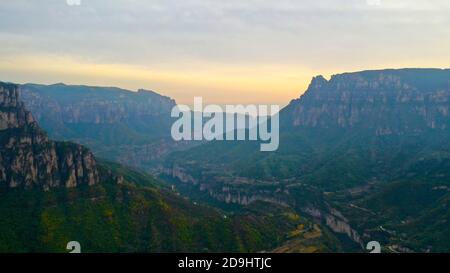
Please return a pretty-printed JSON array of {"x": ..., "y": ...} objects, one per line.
[{"x": 125, "y": 217}]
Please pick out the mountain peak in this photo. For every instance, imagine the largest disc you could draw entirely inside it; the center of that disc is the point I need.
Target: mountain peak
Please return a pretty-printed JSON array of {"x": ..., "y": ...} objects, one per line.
[
  {"x": 318, "y": 81},
  {"x": 9, "y": 96},
  {"x": 12, "y": 113}
]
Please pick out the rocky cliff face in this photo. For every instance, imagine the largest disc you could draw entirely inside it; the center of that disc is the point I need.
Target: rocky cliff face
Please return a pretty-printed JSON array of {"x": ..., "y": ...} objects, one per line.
[
  {"x": 335, "y": 221},
  {"x": 386, "y": 101},
  {"x": 29, "y": 159},
  {"x": 132, "y": 128},
  {"x": 97, "y": 105}
]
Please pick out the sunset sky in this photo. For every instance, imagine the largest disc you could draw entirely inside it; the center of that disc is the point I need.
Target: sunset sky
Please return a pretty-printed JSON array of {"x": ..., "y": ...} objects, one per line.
[{"x": 233, "y": 51}]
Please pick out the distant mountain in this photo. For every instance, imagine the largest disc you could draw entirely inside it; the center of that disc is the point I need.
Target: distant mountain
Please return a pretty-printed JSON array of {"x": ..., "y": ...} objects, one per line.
[
  {"x": 55, "y": 192},
  {"x": 121, "y": 125},
  {"x": 365, "y": 153}
]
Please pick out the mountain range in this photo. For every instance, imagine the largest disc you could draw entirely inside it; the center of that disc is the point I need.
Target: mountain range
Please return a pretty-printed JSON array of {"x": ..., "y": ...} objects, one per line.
[
  {"x": 366, "y": 154},
  {"x": 54, "y": 192},
  {"x": 363, "y": 156}
]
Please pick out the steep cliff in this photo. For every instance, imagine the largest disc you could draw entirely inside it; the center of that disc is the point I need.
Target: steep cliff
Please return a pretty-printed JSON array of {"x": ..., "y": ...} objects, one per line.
[
  {"x": 29, "y": 159},
  {"x": 386, "y": 101}
]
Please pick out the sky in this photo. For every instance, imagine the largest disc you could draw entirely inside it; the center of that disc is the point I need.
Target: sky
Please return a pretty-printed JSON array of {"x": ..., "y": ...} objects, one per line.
[{"x": 228, "y": 52}]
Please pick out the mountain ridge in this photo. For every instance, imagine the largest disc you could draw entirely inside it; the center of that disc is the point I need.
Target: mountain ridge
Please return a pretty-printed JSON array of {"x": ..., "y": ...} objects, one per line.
[
  {"x": 130, "y": 127},
  {"x": 392, "y": 101}
]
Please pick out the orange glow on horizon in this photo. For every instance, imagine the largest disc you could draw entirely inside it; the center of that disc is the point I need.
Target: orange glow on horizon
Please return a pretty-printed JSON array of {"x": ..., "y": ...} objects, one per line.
[{"x": 216, "y": 83}]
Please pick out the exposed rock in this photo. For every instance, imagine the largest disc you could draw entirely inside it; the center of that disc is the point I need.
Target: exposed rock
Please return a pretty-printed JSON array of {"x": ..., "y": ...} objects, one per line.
[
  {"x": 29, "y": 159},
  {"x": 386, "y": 101},
  {"x": 335, "y": 221},
  {"x": 180, "y": 174}
]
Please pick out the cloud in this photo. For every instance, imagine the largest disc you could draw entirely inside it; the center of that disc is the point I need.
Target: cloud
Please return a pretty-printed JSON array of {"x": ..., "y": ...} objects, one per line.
[
  {"x": 73, "y": 2},
  {"x": 317, "y": 35},
  {"x": 242, "y": 31}
]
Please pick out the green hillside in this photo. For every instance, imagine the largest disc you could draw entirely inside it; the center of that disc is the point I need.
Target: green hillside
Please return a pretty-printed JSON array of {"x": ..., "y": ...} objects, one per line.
[{"x": 111, "y": 217}]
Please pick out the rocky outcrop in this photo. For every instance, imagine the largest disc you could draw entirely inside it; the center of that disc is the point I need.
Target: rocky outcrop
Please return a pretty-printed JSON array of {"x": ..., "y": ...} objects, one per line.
[
  {"x": 385, "y": 101},
  {"x": 29, "y": 159},
  {"x": 231, "y": 190},
  {"x": 245, "y": 198},
  {"x": 335, "y": 221},
  {"x": 180, "y": 174},
  {"x": 12, "y": 115}
]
